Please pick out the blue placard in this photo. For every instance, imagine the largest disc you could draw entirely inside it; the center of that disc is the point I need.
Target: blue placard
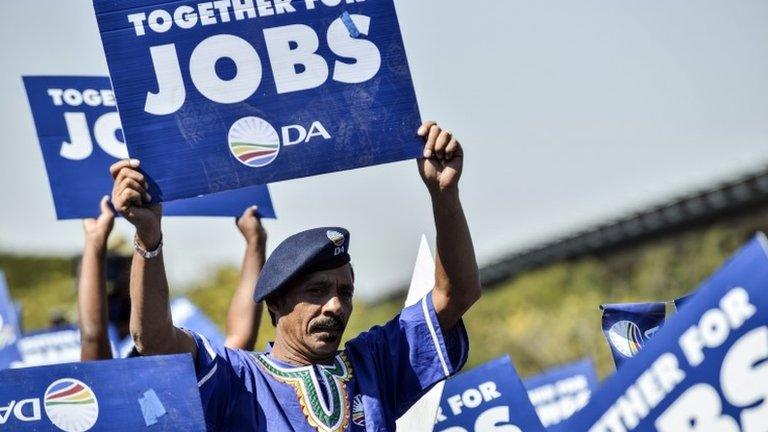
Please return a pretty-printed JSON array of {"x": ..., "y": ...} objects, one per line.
[
  {"x": 51, "y": 346},
  {"x": 10, "y": 329},
  {"x": 221, "y": 95},
  {"x": 185, "y": 315},
  {"x": 560, "y": 392},
  {"x": 116, "y": 395},
  {"x": 705, "y": 370},
  {"x": 628, "y": 327},
  {"x": 488, "y": 397},
  {"x": 80, "y": 135}
]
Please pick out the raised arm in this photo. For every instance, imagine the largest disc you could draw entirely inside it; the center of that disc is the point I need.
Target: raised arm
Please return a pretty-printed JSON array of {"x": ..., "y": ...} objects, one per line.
[
  {"x": 151, "y": 323},
  {"x": 457, "y": 281},
  {"x": 244, "y": 315},
  {"x": 92, "y": 287}
]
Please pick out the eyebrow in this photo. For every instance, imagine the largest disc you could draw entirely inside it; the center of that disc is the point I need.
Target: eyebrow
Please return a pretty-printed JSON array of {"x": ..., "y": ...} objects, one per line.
[
  {"x": 316, "y": 283},
  {"x": 327, "y": 282}
]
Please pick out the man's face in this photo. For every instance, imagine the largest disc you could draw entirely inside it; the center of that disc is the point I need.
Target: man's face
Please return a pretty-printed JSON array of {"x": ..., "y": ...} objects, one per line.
[{"x": 313, "y": 312}]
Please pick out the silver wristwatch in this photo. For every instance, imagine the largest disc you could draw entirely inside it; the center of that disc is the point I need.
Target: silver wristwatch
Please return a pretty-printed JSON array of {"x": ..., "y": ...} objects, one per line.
[{"x": 145, "y": 253}]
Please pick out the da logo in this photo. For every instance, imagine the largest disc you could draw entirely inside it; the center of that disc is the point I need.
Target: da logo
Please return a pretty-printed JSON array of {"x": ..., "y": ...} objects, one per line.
[
  {"x": 335, "y": 237},
  {"x": 626, "y": 337},
  {"x": 71, "y": 405},
  {"x": 254, "y": 142}
]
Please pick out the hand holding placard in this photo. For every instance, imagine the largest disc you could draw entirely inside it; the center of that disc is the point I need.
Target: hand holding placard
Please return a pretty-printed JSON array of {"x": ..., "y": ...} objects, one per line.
[
  {"x": 97, "y": 230},
  {"x": 131, "y": 199},
  {"x": 249, "y": 225}
]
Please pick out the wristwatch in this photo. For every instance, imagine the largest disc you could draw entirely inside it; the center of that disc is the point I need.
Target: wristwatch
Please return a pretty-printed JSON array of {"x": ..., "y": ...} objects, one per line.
[{"x": 145, "y": 253}]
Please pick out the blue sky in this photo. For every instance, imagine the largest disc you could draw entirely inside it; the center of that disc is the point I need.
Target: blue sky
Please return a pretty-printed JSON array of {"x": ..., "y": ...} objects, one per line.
[{"x": 570, "y": 113}]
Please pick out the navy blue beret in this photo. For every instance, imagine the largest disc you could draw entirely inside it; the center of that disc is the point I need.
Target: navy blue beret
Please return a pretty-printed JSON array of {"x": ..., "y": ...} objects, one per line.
[{"x": 303, "y": 253}]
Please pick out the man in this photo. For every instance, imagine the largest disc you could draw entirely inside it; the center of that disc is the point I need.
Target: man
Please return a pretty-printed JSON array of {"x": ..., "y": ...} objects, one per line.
[
  {"x": 94, "y": 306},
  {"x": 304, "y": 383}
]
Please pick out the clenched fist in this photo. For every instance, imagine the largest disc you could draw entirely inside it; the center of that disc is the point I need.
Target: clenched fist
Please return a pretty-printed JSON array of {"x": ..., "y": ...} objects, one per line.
[
  {"x": 131, "y": 199},
  {"x": 443, "y": 158}
]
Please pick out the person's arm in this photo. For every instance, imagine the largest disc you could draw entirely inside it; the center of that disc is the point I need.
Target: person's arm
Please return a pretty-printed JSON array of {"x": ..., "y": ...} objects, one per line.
[
  {"x": 152, "y": 327},
  {"x": 92, "y": 287},
  {"x": 221, "y": 374},
  {"x": 457, "y": 281},
  {"x": 244, "y": 315}
]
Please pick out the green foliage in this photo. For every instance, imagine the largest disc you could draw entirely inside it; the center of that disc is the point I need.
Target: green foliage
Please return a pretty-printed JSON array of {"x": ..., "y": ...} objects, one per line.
[
  {"x": 42, "y": 285},
  {"x": 542, "y": 318},
  {"x": 551, "y": 315}
]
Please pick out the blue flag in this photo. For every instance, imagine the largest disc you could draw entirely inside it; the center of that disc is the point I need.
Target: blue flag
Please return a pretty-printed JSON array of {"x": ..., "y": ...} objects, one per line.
[
  {"x": 627, "y": 327},
  {"x": 560, "y": 392},
  {"x": 222, "y": 95},
  {"x": 115, "y": 396},
  {"x": 81, "y": 136},
  {"x": 705, "y": 371},
  {"x": 486, "y": 398}
]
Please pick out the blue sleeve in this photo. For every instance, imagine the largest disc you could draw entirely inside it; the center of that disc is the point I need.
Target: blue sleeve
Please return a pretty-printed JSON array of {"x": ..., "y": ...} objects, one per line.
[
  {"x": 412, "y": 353},
  {"x": 224, "y": 380}
]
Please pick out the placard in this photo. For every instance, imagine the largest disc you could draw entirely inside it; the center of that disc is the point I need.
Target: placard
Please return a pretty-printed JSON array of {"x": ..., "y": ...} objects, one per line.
[
  {"x": 221, "y": 95},
  {"x": 706, "y": 370},
  {"x": 152, "y": 393},
  {"x": 488, "y": 398},
  {"x": 54, "y": 345},
  {"x": 560, "y": 392},
  {"x": 81, "y": 136}
]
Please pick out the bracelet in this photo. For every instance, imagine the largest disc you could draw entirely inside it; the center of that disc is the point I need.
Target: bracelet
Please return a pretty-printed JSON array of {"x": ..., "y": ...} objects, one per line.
[{"x": 145, "y": 253}]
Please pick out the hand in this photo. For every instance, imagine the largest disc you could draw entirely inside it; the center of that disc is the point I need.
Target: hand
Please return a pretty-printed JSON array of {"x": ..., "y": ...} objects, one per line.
[
  {"x": 131, "y": 200},
  {"x": 97, "y": 230},
  {"x": 443, "y": 159},
  {"x": 251, "y": 228}
]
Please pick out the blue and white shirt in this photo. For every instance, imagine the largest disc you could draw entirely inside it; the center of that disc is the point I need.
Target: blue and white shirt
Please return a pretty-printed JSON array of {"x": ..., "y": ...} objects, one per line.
[{"x": 372, "y": 382}]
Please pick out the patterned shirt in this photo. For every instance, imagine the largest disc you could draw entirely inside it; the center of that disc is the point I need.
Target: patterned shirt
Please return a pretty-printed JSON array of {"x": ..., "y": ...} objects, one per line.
[{"x": 371, "y": 383}]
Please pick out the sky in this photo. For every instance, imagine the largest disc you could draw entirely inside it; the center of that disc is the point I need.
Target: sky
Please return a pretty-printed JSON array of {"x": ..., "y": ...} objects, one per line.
[{"x": 570, "y": 113}]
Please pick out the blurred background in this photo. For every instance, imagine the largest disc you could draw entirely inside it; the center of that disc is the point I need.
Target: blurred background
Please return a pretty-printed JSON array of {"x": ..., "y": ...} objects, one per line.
[{"x": 616, "y": 151}]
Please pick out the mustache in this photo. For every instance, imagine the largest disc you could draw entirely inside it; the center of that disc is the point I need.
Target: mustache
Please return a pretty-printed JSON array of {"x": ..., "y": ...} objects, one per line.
[{"x": 327, "y": 323}]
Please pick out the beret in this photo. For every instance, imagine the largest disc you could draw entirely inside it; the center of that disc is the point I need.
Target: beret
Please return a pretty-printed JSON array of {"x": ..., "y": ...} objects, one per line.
[{"x": 303, "y": 253}]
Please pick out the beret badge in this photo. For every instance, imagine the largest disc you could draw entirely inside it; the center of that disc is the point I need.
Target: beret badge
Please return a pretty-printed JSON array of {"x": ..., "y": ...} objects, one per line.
[{"x": 335, "y": 237}]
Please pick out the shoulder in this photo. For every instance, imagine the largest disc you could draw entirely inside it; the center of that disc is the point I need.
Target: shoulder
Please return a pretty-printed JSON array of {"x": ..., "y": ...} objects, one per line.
[
  {"x": 364, "y": 342},
  {"x": 215, "y": 358}
]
